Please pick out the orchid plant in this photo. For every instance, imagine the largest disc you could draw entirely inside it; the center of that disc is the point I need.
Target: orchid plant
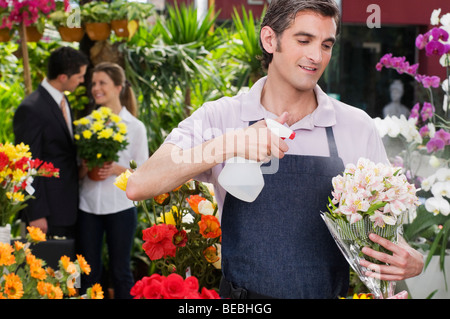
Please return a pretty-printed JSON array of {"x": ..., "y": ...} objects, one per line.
[{"x": 426, "y": 134}]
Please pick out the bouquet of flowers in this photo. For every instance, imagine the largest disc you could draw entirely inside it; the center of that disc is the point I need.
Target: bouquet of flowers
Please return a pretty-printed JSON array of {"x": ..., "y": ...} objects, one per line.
[
  {"x": 100, "y": 136},
  {"x": 24, "y": 276},
  {"x": 185, "y": 234},
  {"x": 368, "y": 198},
  {"x": 17, "y": 170},
  {"x": 426, "y": 134}
]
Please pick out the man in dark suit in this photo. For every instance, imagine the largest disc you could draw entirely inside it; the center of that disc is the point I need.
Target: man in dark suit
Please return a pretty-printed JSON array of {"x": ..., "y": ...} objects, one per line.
[{"x": 44, "y": 122}]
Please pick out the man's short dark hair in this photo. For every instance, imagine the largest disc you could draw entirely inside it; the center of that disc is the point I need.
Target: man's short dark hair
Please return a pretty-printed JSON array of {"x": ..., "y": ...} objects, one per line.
[
  {"x": 65, "y": 60},
  {"x": 281, "y": 13}
]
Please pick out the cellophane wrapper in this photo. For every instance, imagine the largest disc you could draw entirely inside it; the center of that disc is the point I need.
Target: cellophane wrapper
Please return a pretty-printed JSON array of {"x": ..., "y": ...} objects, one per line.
[{"x": 351, "y": 238}]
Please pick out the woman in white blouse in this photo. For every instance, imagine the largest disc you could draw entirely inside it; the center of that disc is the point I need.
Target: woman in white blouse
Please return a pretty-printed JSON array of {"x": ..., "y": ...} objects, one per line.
[{"x": 104, "y": 209}]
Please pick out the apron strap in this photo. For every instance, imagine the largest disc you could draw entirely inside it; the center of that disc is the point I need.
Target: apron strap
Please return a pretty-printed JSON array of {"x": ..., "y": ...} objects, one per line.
[
  {"x": 331, "y": 142},
  {"x": 330, "y": 137}
]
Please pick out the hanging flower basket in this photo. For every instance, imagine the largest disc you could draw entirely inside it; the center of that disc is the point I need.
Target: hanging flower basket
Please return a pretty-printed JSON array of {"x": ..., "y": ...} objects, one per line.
[
  {"x": 5, "y": 35},
  {"x": 98, "y": 31},
  {"x": 71, "y": 34},
  {"x": 120, "y": 27},
  {"x": 33, "y": 35}
]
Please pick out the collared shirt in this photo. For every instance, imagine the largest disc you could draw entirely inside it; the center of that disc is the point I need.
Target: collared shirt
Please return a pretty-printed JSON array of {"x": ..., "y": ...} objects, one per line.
[
  {"x": 354, "y": 131},
  {"x": 57, "y": 96},
  {"x": 103, "y": 197}
]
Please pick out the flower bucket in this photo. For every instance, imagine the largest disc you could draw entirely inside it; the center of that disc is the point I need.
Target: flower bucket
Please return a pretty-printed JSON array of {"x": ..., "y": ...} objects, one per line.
[
  {"x": 5, "y": 234},
  {"x": 5, "y": 35},
  {"x": 33, "y": 35},
  {"x": 98, "y": 31},
  {"x": 71, "y": 34}
]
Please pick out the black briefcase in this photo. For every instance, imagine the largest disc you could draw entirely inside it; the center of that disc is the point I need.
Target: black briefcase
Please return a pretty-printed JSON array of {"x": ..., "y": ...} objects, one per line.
[{"x": 52, "y": 250}]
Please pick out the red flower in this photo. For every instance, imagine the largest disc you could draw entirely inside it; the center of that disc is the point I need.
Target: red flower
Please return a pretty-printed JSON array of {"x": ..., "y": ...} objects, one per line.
[
  {"x": 4, "y": 160},
  {"x": 170, "y": 287},
  {"x": 48, "y": 170},
  {"x": 173, "y": 287},
  {"x": 180, "y": 238},
  {"x": 209, "y": 226},
  {"x": 159, "y": 241}
]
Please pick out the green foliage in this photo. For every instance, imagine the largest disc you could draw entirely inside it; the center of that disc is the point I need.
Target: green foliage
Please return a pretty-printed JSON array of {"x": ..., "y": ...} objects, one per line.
[
  {"x": 95, "y": 11},
  {"x": 121, "y": 9}
]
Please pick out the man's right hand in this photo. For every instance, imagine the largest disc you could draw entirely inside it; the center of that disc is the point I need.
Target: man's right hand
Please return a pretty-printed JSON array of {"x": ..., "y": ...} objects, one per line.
[{"x": 40, "y": 223}]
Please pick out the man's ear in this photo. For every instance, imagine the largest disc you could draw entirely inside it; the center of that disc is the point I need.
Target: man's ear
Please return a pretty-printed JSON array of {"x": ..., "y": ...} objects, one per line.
[
  {"x": 62, "y": 78},
  {"x": 268, "y": 39}
]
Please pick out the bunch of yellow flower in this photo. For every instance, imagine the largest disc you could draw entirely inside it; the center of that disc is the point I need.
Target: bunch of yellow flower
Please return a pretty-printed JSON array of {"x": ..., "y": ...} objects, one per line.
[
  {"x": 100, "y": 136},
  {"x": 24, "y": 276},
  {"x": 17, "y": 170}
]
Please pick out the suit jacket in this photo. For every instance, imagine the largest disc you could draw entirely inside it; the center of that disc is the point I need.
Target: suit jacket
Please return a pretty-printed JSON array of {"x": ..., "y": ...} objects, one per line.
[{"x": 39, "y": 123}]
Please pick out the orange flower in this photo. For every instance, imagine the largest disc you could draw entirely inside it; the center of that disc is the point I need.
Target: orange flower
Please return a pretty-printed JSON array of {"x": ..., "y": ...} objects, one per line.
[
  {"x": 46, "y": 289},
  {"x": 13, "y": 286},
  {"x": 36, "y": 271},
  {"x": 6, "y": 255},
  {"x": 210, "y": 226},
  {"x": 193, "y": 201},
  {"x": 96, "y": 292},
  {"x": 162, "y": 199},
  {"x": 36, "y": 234},
  {"x": 84, "y": 266},
  {"x": 210, "y": 254},
  {"x": 65, "y": 261}
]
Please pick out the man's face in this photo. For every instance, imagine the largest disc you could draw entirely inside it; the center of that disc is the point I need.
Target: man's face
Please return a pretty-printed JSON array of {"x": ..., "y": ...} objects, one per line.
[
  {"x": 72, "y": 82},
  {"x": 304, "y": 50}
]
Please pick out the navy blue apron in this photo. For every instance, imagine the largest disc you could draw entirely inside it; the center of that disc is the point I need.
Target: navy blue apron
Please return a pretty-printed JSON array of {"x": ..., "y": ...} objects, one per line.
[{"x": 278, "y": 246}]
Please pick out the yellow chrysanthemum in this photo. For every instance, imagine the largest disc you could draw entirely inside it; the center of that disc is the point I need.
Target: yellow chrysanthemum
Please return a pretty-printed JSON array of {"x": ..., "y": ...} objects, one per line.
[
  {"x": 84, "y": 266},
  {"x": 13, "y": 286},
  {"x": 96, "y": 292},
  {"x": 6, "y": 255},
  {"x": 122, "y": 128},
  {"x": 87, "y": 134},
  {"x": 105, "y": 111},
  {"x": 36, "y": 234},
  {"x": 99, "y": 155},
  {"x": 115, "y": 118},
  {"x": 122, "y": 180},
  {"x": 76, "y": 136},
  {"x": 106, "y": 133},
  {"x": 97, "y": 115},
  {"x": 84, "y": 121},
  {"x": 97, "y": 126},
  {"x": 118, "y": 137}
]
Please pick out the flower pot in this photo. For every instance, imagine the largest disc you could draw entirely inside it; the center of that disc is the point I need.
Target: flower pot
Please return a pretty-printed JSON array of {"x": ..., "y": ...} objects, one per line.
[
  {"x": 5, "y": 234},
  {"x": 93, "y": 173},
  {"x": 71, "y": 34},
  {"x": 33, "y": 35},
  {"x": 98, "y": 31},
  {"x": 120, "y": 27},
  {"x": 5, "y": 35}
]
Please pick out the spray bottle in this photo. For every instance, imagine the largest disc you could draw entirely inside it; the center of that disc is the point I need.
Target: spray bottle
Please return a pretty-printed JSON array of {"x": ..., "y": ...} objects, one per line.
[{"x": 242, "y": 177}]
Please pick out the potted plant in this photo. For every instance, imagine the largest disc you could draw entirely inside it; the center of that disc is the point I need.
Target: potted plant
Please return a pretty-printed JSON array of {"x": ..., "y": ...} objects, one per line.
[
  {"x": 66, "y": 23},
  {"x": 96, "y": 19},
  {"x": 31, "y": 14},
  {"x": 124, "y": 13}
]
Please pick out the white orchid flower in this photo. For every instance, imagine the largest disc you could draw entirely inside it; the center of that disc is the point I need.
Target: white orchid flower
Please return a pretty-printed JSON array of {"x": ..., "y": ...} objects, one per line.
[{"x": 437, "y": 205}]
